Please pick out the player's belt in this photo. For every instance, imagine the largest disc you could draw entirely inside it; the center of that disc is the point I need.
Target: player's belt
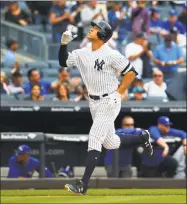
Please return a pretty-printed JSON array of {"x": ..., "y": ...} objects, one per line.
[{"x": 97, "y": 97}]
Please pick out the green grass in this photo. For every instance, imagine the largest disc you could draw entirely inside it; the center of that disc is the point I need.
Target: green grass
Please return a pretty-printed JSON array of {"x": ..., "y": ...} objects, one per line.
[{"x": 95, "y": 196}]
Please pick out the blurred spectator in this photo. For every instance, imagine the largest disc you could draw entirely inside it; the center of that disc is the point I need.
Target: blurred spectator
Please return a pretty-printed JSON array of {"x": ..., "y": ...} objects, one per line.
[
  {"x": 34, "y": 78},
  {"x": 91, "y": 12},
  {"x": 157, "y": 86},
  {"x": 156, "y": 24},
  {"x": 168, "y": 57},
  {"x": 76, "y": 13},
  {"x": 62, "y": 93},
  {"x": 22, "y": 165},
  {"x": 17, "y": 83},
  {"x": 162, "y": 160},
  {"x": 4, "y": 89},
  {"x": 138, "y": 94},
  {"x": 140, "y": 19},
  {"x": 60, "y": 18},
  {"x": 182, "y": 17},
  {"x": 9, "y": 59},
  {"x": 173, "y": 21},
  {"x": 120, "y": 22},
  {"x": 82, "y": 93},
  {"x": 65, "y": 79},
  {"x": 179, "y": 39},
  {"x": 35, "y": 94},
  {"x": 16, "y": 15},
  {"x": 40, "y": 12},
  {"x": 134, "y": 51}
]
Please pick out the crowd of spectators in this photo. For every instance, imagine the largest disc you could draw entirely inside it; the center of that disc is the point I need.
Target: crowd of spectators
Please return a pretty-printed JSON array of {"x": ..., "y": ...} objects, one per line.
[{"x": 133, "y": 22}]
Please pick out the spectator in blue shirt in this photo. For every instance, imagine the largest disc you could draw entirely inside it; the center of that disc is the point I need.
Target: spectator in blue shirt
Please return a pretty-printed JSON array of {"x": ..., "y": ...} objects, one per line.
[
  {"x": 60, "y": 18},
  {"x": 126, "y": 153},
  {"x": 156, "y": 24},
  {"x": 119, "y": 21},
  {"x": 34, "y": 78},
  {"x": 10, "y": 56},
  {"x": 168, "y": 57},
  {"x": 22, "y": 165},
  {"x": 173, "y": 21},
  {"x": 162, "y": 161}
]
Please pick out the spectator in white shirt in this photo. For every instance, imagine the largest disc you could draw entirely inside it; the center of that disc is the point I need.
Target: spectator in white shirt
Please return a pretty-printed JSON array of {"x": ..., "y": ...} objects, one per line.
[
  {"x": 90, "y": 13},
  {"x": 134, "y": 51},
  {"x": 157, "y": 87},
  {"x": 16, "y": 86},
  {"x": 4, "y": 84}
]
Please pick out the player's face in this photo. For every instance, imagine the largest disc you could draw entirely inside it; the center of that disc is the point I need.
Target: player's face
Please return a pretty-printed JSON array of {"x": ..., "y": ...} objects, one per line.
[
  {"x": 128, "y": 123},
  {"x": 92, "y": 34},
  {"x": 23, "y": 158},
  {"x": 164, "y": 128}
]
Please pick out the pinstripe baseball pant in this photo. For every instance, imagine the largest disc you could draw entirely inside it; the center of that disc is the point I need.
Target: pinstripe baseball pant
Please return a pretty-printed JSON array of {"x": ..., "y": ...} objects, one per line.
[{"x": 104, "y": 113}]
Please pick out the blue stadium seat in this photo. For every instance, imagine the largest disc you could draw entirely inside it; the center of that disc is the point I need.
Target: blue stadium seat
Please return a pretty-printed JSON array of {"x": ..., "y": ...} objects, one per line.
[
  {"x": 50, "y": 79},
  {"x": 49, "y": 97},
  {"x": 53, "y": 64},
  {"x": 2, "y": 64},
  {"x": 37, "y": 65},
  {"x": 51, "y": 73},
  {"x": 73, "y": 96},
  {"x": 74, "y": 72},
  {"x": 5, "y": 97}
]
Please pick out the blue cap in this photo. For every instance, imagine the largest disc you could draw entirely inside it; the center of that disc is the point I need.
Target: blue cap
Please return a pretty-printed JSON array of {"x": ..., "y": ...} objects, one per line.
[
  {"x": 23, "y": 149},
  {"x": 173, "y": 12},
  {"x": 138, "y": 89},
  {"x": 155, "y": 10},
  {"x": 164, "y": 120}
]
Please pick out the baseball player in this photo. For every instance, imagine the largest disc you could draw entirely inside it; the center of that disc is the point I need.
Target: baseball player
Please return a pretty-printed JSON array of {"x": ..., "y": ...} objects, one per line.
[
  {"x": 22, "y": 165},
  {"x": 98, "y": 66}
]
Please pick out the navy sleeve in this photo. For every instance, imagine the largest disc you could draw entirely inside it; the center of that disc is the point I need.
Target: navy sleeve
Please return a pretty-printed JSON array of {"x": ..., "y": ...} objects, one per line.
[
  {"x": 14, "y": 172},
  {"x": 154, "y": 133},
  {"x": 128, "y": 131},
  {"x": 177, "y": 133}
]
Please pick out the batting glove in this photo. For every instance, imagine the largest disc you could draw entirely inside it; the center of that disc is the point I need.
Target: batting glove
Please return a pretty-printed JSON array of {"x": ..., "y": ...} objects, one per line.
[{"x": 68, "y": 36}]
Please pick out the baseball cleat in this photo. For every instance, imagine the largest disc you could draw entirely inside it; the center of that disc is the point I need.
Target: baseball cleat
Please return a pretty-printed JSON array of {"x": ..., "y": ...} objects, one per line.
[
  {"x": 79, "y": 188},
  {"x": 146, "y": 139}
]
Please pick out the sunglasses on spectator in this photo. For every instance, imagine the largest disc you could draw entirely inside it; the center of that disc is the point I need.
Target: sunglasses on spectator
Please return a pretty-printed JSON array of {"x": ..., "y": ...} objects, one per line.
[{"x": 157, "y": 75}]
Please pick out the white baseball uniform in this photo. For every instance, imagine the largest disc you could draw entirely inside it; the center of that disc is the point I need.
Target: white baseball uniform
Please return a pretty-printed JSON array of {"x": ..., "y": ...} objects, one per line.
[{"x": 98, "y": 70}]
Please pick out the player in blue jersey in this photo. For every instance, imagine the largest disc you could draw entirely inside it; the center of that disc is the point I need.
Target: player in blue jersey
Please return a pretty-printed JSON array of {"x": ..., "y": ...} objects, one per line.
[{"x": 22, "y": 165}]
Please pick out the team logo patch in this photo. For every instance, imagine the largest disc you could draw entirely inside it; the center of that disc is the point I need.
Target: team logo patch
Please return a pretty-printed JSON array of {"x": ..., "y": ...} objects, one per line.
[{"x": 99, "y": 65}]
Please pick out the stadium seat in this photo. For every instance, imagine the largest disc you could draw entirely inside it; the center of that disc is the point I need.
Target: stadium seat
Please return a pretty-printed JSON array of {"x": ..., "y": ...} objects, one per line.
[
  {"x": 4, "y": 171},
  {"x": 49, "y": 97},
  {"x": 50, "y": 79},
  {"x": 51, "y": 73},
  {"x": 2, "y": 64},
  {"x": 73, "y": 96},
  {"x": 74, "y": 72},
  {"x": 53, "y": 64},
  {"x": 5, "y": 97},
  {"x": 37, "y": 65},
  {"x": 6, "y": 70},
  {"x": 146, "y": 80}
]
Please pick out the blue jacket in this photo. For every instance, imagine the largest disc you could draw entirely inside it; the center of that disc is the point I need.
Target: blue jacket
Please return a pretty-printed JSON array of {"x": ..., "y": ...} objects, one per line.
[
  {"x": 180, "y": 26},
  {"x": 17, "y": 169},
  {"x": 155, "y": 133},
  {"x": 125, "y": 154},
  {"x": 45, "y": 87}
]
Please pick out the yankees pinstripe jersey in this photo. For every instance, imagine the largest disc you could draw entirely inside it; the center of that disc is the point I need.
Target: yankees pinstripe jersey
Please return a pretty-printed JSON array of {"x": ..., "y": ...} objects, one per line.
[{"x": 99, "y": 68}]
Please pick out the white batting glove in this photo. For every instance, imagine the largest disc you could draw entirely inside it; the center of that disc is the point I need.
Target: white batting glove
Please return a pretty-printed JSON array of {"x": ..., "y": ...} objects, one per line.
[{"x": 68, "y": 36}]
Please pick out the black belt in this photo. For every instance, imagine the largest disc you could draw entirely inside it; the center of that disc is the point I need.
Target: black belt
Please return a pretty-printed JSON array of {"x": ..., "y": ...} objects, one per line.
[{"x": 97, "y": 97}]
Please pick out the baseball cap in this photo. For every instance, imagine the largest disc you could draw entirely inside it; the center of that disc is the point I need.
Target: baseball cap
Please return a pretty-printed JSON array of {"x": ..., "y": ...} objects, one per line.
[
  {"x": 155, "y": 10},
  {"x": 138, "y": 89},
  {"x": 23, "y": 149},
  {"x": 164, "y": 120},
  {"x": 173, "y": 12}
]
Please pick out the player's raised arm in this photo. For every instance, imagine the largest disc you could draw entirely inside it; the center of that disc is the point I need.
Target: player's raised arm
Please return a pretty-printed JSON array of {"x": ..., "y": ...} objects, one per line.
[{"x": 67, "y": 37}]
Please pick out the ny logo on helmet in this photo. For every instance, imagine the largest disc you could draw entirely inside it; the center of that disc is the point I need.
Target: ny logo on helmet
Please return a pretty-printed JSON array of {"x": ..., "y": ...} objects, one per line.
[{"x": 99, "y": 65}]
